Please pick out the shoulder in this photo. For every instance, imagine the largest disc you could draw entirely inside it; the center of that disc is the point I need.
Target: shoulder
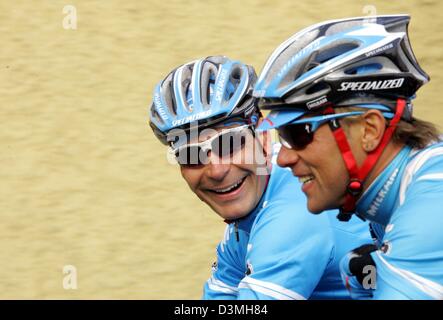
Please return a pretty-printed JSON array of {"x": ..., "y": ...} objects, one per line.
[
  {"x": 411, "y": 257},
  {"x": 425, "y": 158},
  {"x": 412, "y": 251},
  {"x": 413, "y": 242},
  {"x": 424, "y": 168},
  {"x": 285, "y": 204},
  {"x": 418, "y": 215},
  {"x": 283, "y": 184},
  {"x": 232, "y": 248},
  {"x": 284, "y": 216}
]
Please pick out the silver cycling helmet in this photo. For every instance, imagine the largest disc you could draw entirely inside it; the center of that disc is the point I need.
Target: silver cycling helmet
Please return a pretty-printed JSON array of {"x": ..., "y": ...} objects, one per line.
[{"x": 203, "y": 93}]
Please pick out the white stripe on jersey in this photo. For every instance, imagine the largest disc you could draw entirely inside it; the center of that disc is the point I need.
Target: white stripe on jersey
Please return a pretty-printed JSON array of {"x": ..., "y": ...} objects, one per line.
[
  {"x": 270, "y": 289},
  {"x": 429, "y": 287},
  {"x": 431, "y": 176},
  {"x": 228, "y": 230},
  {"x": 219, "y": 286},
  {"x": 414, "y": 166}
]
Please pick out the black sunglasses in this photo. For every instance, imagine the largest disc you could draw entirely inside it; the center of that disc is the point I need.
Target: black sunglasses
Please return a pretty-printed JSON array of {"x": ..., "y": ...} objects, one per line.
[{"x": 299, "y": 135}]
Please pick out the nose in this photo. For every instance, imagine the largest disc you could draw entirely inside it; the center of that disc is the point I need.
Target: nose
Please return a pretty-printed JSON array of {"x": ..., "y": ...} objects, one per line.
[
  {"x": 287, "y": 157},
  {"x": 216, "y": 169}
]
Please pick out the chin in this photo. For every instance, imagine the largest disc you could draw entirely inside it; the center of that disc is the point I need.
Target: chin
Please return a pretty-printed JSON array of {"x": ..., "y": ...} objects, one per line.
[
  {"x": 232, "y": 214},
  {"x": 315, "y": 209}
]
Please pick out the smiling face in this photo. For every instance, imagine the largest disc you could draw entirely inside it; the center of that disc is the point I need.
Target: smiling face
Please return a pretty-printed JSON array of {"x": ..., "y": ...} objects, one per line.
[
  {"x": 321, "y": 170},
  {"x": 319, "y": 163},
  {"x": 231, "y": 188}
]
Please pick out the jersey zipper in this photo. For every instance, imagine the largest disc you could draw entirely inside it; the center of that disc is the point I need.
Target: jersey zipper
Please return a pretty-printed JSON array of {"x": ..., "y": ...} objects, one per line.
[{"x": 237, "y": 236}]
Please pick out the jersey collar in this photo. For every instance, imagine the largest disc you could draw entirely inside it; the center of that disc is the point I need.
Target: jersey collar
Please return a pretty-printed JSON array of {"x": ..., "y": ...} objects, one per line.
[{"x": 379, "y": 201}]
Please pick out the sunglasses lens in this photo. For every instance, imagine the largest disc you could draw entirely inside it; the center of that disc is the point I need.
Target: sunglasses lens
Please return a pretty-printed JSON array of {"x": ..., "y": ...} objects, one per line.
[
  {"x": 298, "y": 136},
  {"x": 224, "y": 145},
  {"x": 191, "y": 156},
  {"x": 229, "y": 143}
]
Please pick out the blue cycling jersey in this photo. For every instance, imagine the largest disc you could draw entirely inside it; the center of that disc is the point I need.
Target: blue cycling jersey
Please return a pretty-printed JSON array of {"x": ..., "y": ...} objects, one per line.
[
  {"x": 405, "y": 205},
  {"x": 281, "y": 251}
]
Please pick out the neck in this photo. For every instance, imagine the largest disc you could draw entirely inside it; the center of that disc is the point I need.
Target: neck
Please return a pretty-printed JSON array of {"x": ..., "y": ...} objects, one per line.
[{"x": 388, "y": 154}]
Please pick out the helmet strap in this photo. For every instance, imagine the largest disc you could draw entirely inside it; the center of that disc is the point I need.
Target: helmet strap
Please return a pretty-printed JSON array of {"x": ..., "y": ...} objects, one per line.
[{"x": 358, "y": 175}]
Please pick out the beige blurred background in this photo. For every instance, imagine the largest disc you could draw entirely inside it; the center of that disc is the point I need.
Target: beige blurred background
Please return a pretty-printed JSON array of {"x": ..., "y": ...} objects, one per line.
[{"x": 83, "y": 182}]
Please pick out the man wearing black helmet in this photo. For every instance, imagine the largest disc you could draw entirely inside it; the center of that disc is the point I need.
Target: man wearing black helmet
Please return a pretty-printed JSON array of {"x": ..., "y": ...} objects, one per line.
[{"x": 341, "y": 94}]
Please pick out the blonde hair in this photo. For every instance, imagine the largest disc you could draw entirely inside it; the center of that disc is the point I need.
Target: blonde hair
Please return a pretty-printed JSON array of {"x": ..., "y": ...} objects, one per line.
[{"x": 416, "y": 133}]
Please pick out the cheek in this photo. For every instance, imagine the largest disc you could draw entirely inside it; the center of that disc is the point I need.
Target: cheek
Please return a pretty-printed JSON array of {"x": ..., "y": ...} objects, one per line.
[
  {"x": 354, "y": 135},
  {"x": 324, "y": 157},
  {"x": 322, "y": 151},
  {"x": 333, "y": 161},
  {"x": 334, "y": 175},
  {"x": 255, "y": 188},
  {"x": 256, "y": 175},
  {"x": 252, "y": 155},
  {"x": 191, "y": 176}
]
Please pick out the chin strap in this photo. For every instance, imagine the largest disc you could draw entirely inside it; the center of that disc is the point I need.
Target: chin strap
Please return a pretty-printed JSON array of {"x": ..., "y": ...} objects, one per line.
[{"x": 358, "y": 175}]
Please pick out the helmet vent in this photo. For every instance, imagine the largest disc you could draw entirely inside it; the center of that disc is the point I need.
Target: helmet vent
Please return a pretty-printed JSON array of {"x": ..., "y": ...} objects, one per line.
[
  {"x": 155, "y": 115},
  {"x": 317, "y": 87},
  {"x": 364, "y": 69},
  {"x": 210, "y": 89},
  {"x": 208, "y": 76},
  {"x": 335, "y": 51},
  {"x": 170, "y": 99},
  {"x": 236, "y": 74}
]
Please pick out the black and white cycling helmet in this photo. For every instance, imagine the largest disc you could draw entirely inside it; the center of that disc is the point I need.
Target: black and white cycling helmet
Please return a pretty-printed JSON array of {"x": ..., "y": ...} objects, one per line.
[{"x": 342, "y": 62}]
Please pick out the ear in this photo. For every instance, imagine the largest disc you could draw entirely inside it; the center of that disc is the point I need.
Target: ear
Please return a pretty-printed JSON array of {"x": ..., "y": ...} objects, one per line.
[{"x": 374, "y": 126}]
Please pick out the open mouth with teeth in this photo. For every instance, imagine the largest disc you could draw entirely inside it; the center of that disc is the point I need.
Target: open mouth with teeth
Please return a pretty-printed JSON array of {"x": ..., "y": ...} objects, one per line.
[
  {"x": 306, "y": 179},
  {"x": 231, "y": 188}
]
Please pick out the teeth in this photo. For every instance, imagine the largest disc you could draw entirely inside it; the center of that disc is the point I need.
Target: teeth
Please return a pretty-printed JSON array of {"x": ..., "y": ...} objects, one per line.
[
  {"x": 230, "y": 187},
  {"x": 305, "y": 179}
]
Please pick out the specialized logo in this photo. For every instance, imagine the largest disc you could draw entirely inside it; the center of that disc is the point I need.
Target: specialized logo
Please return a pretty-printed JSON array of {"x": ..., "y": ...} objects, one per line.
[
  {"x": 371, "y": 85},
  {"x": 220, "y": 85},
  {"x": 194, "y": 117},
  {"x": 317, "y": 102},
  {"x": 158, "y": 103},
  {"x": 378, "y": 50}
]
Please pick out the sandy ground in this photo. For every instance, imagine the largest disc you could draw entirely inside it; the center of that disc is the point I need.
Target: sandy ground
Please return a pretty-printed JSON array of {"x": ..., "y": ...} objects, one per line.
[{"x": 83, "y": 181}]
